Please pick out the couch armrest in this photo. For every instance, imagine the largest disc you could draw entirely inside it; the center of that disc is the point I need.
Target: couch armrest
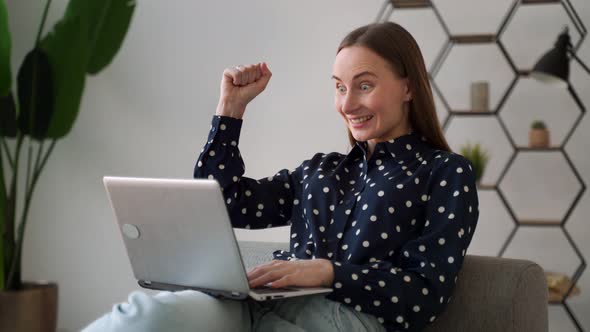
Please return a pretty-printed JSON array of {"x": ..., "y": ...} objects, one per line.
[{"x": 496, "y": 294}]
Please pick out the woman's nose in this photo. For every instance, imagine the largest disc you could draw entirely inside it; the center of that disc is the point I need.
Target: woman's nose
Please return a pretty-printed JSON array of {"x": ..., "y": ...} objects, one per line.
[{"x": 349, "y": 103}]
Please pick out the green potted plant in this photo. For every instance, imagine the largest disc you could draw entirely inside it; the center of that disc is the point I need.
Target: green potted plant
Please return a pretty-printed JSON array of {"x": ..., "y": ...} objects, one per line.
[
  {"x": 538, "y": 135},
  {"x": 478, "y": 157},
  {"x": 50, "y": 84}
]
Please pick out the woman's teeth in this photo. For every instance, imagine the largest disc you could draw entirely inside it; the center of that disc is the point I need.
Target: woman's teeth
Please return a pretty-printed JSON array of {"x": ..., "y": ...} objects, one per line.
[{"x": 360, "y": 120}]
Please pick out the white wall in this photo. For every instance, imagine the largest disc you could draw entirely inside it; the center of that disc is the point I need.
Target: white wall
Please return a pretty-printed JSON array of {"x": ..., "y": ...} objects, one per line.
[{"x": 148, "y": 114}]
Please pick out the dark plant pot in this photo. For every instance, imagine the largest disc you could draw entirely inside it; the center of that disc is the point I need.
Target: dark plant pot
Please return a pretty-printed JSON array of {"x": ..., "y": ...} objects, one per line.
[{"x": 32, "y": 309}]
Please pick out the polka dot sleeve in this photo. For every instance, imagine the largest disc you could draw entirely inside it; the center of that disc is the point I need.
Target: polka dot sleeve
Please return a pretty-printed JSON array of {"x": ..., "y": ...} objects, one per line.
[
  {"x": 251, "y": 203},
  {"x": 411, "y": 291}
]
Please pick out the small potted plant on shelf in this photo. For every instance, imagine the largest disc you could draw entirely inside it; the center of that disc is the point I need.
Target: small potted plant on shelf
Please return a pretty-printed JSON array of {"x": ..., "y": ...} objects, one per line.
[
  {"x": 36, "y": 110},
  {"x": 538, "y": 135},
  {"x": 478, "y": 157}
]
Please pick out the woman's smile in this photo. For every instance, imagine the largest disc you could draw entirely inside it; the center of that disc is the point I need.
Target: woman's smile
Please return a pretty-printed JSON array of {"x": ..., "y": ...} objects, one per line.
[{"x": 360, "y": 122}]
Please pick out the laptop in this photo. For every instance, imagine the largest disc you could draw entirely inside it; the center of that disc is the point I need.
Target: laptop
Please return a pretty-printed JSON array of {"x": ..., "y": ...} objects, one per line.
[{"x": 178, "y": 236}]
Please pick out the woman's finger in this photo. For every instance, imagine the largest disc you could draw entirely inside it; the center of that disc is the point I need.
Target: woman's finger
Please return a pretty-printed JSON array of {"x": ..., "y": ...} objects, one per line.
[
  {"x": 235, "y": 74},
  {"x": 261, "y": 269},
  {"x": 239, "y": 75},
  {"x": 264, "y": 78},
  {"x": 286, "y": 280},
  {"x": 263, "y": 279},
  {"x": 231, "y": 74},
  {"x": 258, "y": 71},
  {"x": 245, "y": 76},
  {"x": 256, "y": 271},
  {"x": 267, "y": 277},
  {"x": 252, "y": 71}
]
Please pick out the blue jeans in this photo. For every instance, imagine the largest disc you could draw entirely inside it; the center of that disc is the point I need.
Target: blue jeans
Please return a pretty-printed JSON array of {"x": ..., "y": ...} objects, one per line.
[{"x": 196, "y": 311}]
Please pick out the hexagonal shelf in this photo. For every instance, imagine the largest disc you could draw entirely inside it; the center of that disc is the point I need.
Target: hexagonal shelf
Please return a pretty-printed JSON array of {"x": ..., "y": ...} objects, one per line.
[
  {"x": 512, "y": 186},
  {"x": 493, "y": 225},
  {"x": 487, "y": 131},
  {"x": 559, "y": 320},
  {"x": 540, "y": 200},
  {"x": 553, "y": 17},
  {"x": 579, "y": 305},
  {"x": 492, "y": 67},
  {"x": 432, "y": 41},
  {"x": 559, "y": 257},
  {"x": 557, "y": 109},
  {"x": 471, "y": 19}
]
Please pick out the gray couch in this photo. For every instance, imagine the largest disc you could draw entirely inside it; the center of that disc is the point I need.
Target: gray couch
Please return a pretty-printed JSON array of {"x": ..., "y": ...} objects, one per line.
[
  {"x": 496, "y": 294},
  {"x": 492, "y": 294}
]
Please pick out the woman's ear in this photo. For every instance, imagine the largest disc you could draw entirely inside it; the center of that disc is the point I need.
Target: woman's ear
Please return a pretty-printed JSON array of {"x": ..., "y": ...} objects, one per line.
[{"x": 407, "y": 92}]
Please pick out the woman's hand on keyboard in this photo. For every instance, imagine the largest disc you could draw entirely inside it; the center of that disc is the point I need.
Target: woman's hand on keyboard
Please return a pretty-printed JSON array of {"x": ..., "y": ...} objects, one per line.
[{"x": 302, "y": 273}]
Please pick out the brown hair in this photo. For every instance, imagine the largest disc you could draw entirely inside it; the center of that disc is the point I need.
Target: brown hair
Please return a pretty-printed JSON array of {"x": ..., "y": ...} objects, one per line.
[{"x": 395, "y": 44}]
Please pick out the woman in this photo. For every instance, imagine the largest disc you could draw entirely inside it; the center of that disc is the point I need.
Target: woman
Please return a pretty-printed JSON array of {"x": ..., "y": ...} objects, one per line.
[{"x": 386, "y": 226}]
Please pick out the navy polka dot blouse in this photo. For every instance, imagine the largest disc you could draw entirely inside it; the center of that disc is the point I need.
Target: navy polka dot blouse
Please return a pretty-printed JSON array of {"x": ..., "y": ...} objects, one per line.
[{"x": 395, "y": 227}]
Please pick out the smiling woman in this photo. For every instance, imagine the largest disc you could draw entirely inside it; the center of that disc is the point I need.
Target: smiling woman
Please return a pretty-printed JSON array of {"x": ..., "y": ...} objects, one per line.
[
  {"x": 371, "y": 98},
  {"x": 386, "y": 226},
  {"x": 403, "y": 97}
]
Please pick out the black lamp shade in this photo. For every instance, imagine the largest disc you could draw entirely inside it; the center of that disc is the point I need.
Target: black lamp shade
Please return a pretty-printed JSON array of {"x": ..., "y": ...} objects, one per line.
[{"x": 553, "y": 66}]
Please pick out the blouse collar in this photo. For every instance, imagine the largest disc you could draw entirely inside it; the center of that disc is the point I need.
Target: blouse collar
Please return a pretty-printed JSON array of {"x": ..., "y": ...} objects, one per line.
[{"x": 403, "y": 149}]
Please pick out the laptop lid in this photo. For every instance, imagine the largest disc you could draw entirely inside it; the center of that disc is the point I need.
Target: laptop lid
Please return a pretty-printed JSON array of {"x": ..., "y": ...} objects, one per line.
[{"x": 178, "y": 232}]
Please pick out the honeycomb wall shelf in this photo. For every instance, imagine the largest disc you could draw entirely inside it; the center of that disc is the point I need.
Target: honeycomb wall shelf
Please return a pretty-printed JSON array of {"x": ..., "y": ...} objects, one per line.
[{"x": 498, "y": 44}]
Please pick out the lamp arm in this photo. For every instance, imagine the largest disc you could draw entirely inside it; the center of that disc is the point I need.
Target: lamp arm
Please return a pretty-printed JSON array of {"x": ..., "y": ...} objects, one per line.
[
  {"x": 573, "y": 55},
  {"x": 576, "y": 98}
]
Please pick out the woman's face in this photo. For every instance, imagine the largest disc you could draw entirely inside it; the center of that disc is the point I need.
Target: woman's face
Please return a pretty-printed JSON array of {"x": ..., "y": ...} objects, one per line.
[{"x": 370, "y": 97}]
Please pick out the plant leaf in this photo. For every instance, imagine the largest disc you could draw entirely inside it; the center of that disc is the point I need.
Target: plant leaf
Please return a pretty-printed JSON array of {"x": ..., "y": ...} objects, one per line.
[
  {"x": 35, "y": 96},
  {"x": 7, "y": 116},
  {"x": 67, "y": 48},
  {"x": 108, "y": 22},
  {"x": 5, "y": 73}
]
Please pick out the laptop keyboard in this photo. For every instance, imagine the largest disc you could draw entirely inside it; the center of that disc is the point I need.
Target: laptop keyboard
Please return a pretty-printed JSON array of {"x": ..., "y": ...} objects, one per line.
[{"x": 257, "y": 253}]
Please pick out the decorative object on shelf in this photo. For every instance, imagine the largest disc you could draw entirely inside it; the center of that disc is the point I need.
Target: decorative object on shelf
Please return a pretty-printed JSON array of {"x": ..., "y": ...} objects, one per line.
[
  {"x": 50, "y": 84},
  {"x": 558, "y": 285},
  {"x": 478, "y": 157},
  {"x": 539, "y": 135},
  {"x": 553, "y": 63},
  {"x": 480, "y": 96}
]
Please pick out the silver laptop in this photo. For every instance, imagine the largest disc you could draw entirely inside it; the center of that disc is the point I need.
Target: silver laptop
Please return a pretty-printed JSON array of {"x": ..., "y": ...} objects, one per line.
[{"x": 178, "y": 236}]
